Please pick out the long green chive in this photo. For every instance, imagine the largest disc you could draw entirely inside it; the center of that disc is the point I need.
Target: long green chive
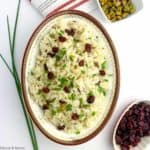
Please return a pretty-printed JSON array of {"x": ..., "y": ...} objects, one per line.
[{"x": 15, "y": 76}]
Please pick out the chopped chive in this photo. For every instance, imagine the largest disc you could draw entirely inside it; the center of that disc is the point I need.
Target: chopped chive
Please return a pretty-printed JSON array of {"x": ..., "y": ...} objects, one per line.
[
  {"x": 72, "y": 96},
  {"x": 68, "y": 107},
  {"x": 101, "y": 90},
  {"x": 57, "y": 89},
  {"x": 52, "y": 35},
  {"x": 64, "y": 66},
  {"x": 81, "y": 101},
  {"x": 89, "y": 38},
  {"x": 86, "y": 65},
  {"x": 61, "y": 54},
  {"x": 58, "y": 109},
  {"x": 104, "y": 65},
  {"x": 71, "y": 84},
  {"x": 83, "y": 71},
  {"x": 32, "y": 73},
  {"x": 76, "y": 40},
  {"x": 85, "y": 106},
  {"x": 93, "y": 113},
  {"x": 61, "y": 32},
  {"x": 48, "y": 84},
  {"x": 53, "y": 112},
  {"x": 77, "y": 132},
  {"x": 81, "y": 115},
  {"x": 90, "y": 93},
  {"x": 94, "y": 75},
  {"x": 71, "y": 57},
  {"x": 63, "y": 81},
  {"x": 105, "y": 80}
]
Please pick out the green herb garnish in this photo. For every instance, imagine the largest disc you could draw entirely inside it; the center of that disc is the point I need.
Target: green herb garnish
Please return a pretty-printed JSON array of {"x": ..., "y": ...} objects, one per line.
[
  {"x": 58, "y": 109},
  {"x": 105, "y": 80},
  {"x": 81, "y": 115},
  {"x": 53, "y": 112},
  {"x": 52, "y": 35},
  {"x": 76, "y": 40},
  {"x": 61, "y": 54},
  {"x": 81, "y": 102},
  {"x": 57, "y": 89},
  {"x": 93, "y": 113},
  {"x": 61, "y": 32},
  {"x": 14, "y": 73},
  {"x": 104, "y": 65},
  {"x": 64, "y": 66},
  {"x": 94, "y": 75},
  {"x": 72, "y": 96},
  {"x": 90, "y": 93},
  {"x": 77, "y": 132},
  {"x": 32, "y": 73},
  {"x": 85, "y": 105},
  {"x": 63, "y": 81},
  {"x": 71, "y": 83},
  {"x": 83, "y": 71},
  {"x": 68, "y": 107},
  {"x": 101, "y": 90},
  {"x": 71, "y": 57}
]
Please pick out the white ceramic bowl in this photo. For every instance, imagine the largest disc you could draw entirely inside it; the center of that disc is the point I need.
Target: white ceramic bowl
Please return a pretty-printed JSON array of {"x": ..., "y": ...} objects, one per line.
[
  {"x": 145, "y": 141},
  {"x": 138, "y": 4}
]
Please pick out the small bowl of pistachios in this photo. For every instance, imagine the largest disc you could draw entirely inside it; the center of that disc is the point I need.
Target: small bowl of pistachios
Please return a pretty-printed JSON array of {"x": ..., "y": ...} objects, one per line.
[{"x": 116, "y": 10}]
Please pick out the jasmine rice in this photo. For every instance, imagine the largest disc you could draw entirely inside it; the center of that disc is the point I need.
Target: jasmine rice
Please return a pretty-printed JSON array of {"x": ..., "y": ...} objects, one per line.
[{"x": 72, "y": 79}]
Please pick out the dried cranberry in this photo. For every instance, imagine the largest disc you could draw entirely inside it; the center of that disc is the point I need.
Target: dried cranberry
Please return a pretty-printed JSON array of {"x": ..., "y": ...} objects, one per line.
[
  {"x": 50, "y": 75},
  {"x": 70, "y": 32},
  {"x": 45, "y": 90},
  {"x": 125, "y": 148},
  {"x": 141, "y": 123},
  {"x": 61, "y": 127},
  {"x": 88, "y": 47},
  {"x": 102, "y": 73},
  {"x": 118, "y": 140},
  {"x": 45, "y": 106},
  {"x": 66, "y": 89},
  {"x": 55, "y": 49},
  {"x": 62, "y": 39},
  {"x": 139, "y": 132},
  {"x": 81, "y": 63},
  {"x": 129, "y": 125},
  {"x": 75, "y": 116},
  {"x": 91, "y": 99}
]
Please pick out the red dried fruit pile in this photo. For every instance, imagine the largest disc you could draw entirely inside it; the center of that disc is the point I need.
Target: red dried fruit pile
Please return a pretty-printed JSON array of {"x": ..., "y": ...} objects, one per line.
[{"x": 134, "y": 125}]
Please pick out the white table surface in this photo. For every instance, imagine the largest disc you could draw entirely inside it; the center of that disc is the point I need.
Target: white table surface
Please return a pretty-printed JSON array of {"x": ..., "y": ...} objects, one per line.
[{"x": 132, "y": 40}]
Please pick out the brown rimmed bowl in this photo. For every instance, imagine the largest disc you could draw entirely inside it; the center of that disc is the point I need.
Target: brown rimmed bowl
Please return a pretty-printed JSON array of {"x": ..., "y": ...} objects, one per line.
[
  {"x": 29, "y": 103},
  {"x": 144, "y": 144}
]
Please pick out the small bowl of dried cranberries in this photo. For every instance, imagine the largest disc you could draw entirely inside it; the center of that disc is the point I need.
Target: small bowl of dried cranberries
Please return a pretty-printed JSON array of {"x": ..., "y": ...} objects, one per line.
[{"x": 132, "y": 131}]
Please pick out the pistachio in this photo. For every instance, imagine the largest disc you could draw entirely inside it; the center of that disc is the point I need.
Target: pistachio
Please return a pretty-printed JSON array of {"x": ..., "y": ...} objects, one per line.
[{"x": 117, "y": 9}]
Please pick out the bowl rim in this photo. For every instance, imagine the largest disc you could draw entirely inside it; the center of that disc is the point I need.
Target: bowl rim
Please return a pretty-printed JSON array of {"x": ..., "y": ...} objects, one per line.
[{"x": 23, "y": 71}]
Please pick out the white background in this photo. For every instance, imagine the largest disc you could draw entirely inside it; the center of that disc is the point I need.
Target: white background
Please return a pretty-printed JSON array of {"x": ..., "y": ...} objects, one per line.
[{"x": 132, "y": 40}]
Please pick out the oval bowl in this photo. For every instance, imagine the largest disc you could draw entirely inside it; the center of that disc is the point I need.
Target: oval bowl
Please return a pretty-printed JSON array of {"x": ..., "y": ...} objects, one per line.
[
  {"x": 145, "y": 141},
  {"x": 35, "y": 113}
]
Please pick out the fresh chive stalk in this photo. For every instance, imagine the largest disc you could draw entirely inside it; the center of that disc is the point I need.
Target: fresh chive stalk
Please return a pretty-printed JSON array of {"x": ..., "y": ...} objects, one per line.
[{"x": 15, "y": 76}]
